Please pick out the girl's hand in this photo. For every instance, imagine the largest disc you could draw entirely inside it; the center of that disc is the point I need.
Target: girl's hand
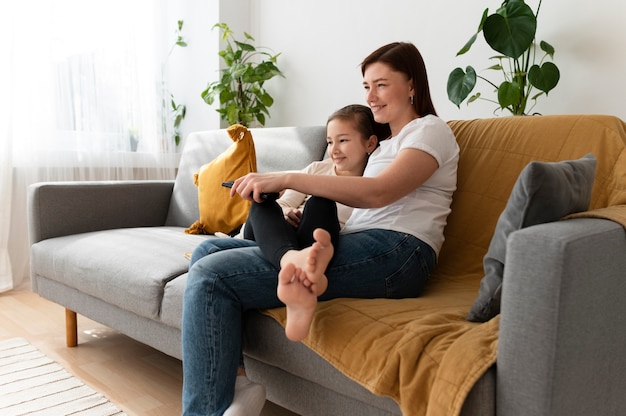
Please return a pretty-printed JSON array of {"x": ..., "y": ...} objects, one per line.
[{"x": 292, "y": 216}]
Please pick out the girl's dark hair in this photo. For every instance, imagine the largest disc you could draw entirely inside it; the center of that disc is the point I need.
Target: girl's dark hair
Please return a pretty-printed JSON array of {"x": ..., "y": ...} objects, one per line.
[
  {"x": 404, "y": 57},
  {"x": 363, "y": 120}
]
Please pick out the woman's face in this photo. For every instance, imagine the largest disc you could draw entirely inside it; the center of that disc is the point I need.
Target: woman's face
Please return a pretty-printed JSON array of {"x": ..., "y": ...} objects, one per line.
[
  {"x": 388, "y": 93},
  {"x": 347, "y": 147}
]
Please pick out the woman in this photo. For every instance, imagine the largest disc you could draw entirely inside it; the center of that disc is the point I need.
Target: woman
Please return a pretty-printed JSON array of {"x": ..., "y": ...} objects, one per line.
[{"x": 387, "y": 248}]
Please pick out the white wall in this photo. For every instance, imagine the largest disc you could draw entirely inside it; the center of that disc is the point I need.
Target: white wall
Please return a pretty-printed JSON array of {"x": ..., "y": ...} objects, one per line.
[{"x": 323, "y": 43}]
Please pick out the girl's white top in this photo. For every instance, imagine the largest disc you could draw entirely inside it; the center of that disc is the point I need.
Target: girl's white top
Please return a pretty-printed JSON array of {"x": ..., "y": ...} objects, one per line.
[
  {"x": 295, "y": 199},
  {"x": 423, "y": 212}
]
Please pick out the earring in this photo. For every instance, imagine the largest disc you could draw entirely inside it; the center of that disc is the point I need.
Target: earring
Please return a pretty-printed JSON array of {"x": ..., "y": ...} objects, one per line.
[{"x": 411, "y": 100}]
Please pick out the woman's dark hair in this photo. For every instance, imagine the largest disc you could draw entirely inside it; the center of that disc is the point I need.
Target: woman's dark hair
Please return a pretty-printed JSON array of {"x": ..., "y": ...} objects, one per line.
[
  {"x": 404, "y": 57},
  {"x": 363, "y": 120}
]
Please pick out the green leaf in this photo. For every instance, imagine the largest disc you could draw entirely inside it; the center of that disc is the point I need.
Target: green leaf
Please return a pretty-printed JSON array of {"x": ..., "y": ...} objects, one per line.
[
  {"x": 474, "y": 98},
  {"x": 208, "y": 95},
  {"x": 509, "y": 93},
  {"x": 467, "y": 45},
  {"x": 460, "y": 84},
  {"x": 266, "y": 99},
  {"x": 482, "y": 20},
  {"x": 238, "y": 70},
  {"x": 540, "y": 93},
  {"x": 245, "y": 46},
  {"x": 545, "y": 77},
  {"x": 232, "y": 113},
  {"x": 471, "y": 41},
  {"x": 227, "y": 55},
  {"x": 547, "y": 48},
  {"x": 511, "y": 30},
  {"x": 265, "y": 71},
  {"x": 226, "y": 95}
]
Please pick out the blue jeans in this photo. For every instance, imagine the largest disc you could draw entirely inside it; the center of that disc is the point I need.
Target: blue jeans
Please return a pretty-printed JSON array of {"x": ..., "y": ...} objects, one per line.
[{"x": 236, "y": 277}]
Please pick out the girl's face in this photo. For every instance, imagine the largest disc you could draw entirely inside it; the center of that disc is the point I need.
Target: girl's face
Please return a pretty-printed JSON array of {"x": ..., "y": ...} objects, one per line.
[
  {"x": 347, "y": 147},
  {"x": 388, "y": 94}
]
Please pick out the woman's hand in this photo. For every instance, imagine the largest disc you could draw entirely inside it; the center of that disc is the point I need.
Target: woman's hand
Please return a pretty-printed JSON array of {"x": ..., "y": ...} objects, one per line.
[
  {"x": 292, "y": 216},
  {"x": 251, "y": 186}
]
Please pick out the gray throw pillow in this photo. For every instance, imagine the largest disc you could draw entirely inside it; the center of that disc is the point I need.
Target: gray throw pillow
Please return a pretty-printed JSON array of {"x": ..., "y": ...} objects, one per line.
[{"x": 544, "y": 192}]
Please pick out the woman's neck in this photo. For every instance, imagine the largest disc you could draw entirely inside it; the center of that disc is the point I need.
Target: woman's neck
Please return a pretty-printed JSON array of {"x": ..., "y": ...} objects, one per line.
[{"x": 397, "y": 127}]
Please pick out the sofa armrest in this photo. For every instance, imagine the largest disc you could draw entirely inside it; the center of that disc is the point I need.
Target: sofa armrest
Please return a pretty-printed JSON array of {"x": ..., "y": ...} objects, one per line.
[
  {"x": 562, "y": 331},
  {"x": 63, "y": 208}
]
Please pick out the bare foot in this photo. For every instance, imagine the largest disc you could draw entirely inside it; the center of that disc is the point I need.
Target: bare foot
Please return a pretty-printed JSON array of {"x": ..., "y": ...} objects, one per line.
[
  {"x": 300, "y": 300},
  {"x": 301, "y": 280},
  {"x": 313, "y": 261}
]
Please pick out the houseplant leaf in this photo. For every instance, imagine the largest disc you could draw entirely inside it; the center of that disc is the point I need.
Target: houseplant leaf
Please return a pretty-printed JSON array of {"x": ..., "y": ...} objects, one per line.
[
  {"x": 460, "y": 84},
  {"x": 471, "y": 41},
  {"x": 545, "y": 77},
  {"x": 547, "y": 48},
  {"x": 511, "y": 30},
  {"x": 508, "y": 94},
  {"x": 245, "y": 46}
]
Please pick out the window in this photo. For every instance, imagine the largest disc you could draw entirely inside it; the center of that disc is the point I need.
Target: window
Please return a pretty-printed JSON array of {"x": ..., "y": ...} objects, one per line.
[{"x": 91, "y": 76}]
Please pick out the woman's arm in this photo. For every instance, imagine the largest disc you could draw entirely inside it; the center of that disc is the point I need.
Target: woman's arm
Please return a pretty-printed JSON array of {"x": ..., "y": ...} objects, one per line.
[{"x": 409, "y": 170}]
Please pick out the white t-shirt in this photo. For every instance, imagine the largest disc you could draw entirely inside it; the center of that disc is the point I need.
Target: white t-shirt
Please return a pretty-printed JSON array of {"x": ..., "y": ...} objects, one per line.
[
  {"x": 295, "y": 199},
  {"x": 424, "y": 211}
]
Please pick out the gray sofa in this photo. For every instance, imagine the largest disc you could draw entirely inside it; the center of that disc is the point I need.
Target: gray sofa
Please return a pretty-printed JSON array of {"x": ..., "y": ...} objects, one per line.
[{"x": 114, "y": 252}]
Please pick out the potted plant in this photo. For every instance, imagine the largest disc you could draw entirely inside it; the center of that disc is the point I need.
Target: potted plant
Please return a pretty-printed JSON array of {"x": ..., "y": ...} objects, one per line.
[
  {"x": 510, "y": 31},
  {"x": 241, "y": 92},
  {"x": 176, "y": 111}
]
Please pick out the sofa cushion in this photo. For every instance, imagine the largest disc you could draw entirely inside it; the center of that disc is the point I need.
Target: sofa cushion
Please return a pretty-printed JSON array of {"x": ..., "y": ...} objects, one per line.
[
  {"x": 219, "y": 212},
  {"x": 544, "y": 192},
  {"x": 303, "y": 145},
  {"x": 127, "y": 267}
]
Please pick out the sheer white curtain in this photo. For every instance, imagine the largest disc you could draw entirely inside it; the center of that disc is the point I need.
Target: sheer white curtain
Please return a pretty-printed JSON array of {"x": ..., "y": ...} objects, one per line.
[{"x": 82, "y": 100}]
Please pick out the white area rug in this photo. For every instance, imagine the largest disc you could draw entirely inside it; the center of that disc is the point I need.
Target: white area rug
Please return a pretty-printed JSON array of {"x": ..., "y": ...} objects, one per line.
[{"x": 33, "y": 384}]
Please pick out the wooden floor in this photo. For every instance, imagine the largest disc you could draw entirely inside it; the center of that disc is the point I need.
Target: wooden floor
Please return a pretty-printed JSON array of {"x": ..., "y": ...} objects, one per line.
[{"x": 137, "y": 378}]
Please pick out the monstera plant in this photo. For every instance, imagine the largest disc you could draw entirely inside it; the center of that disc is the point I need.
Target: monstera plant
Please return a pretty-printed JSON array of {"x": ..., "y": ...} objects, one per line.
[{"x": 522, "y": 65}]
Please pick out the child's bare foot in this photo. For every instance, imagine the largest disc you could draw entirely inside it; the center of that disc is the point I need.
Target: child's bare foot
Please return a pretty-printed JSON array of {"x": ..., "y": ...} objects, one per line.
[
  {"x": 313, "y": 261},
  {"x": 299, "y": 299},
  {"x": 301, "y": 280}
]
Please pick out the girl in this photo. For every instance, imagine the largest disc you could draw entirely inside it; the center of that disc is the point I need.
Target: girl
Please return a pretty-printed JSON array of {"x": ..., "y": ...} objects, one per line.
[{"x": 288, "y": 223}]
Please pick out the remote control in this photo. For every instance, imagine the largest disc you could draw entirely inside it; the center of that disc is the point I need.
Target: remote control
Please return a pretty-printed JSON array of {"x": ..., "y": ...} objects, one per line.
[{"x": 264, "y": 196}]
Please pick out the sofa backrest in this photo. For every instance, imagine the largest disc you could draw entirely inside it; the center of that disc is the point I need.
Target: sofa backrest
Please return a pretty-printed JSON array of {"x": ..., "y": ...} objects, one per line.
[
  {"x": 277, "y": 149},
  {"x": 493, "y": 153}
]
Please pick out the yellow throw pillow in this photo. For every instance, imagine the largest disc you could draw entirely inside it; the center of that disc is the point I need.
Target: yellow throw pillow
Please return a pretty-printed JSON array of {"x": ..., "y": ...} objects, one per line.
[{"x": 218, "y": 211}]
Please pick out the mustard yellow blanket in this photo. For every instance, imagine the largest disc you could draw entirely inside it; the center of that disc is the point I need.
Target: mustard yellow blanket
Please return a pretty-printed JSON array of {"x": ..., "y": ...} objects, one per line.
[{"x": 422, "y": 352}]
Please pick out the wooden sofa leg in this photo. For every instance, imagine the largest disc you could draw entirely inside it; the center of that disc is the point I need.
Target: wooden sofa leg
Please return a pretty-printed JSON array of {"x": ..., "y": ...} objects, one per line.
[{"x": 71, "y": 328}]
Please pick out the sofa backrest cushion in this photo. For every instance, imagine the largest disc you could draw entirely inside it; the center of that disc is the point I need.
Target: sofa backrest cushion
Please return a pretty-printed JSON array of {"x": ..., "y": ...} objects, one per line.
[
  {"x": 277, "y": 149},
  {"x": 493, "y": 153},
  {"x": 544, "y": 192}
]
